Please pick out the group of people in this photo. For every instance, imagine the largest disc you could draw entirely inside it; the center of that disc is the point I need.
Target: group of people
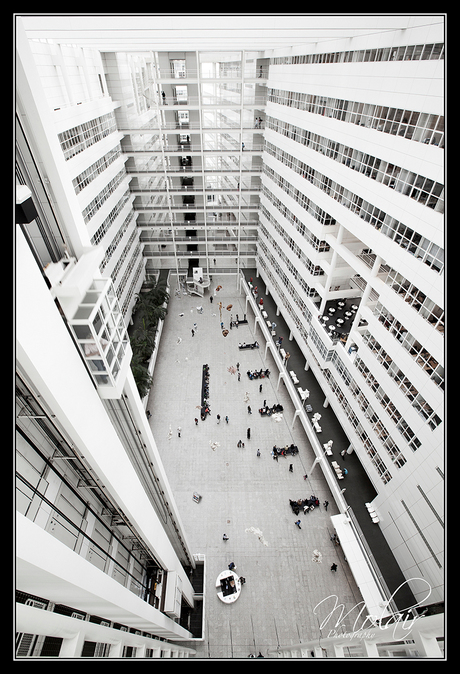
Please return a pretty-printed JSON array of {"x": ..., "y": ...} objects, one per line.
[
  {"x": 268, "y": 411},
  {"x": 205, "y": 409},
  {"x": 284, "y": 451},
  {"x": 253, "y": 345},
  {"x": 307, "y": 504},
  {"x": 258, "y": 374}
]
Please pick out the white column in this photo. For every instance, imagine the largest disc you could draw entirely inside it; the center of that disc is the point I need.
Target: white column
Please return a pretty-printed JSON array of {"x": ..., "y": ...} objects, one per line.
[
  {"x": 317, "y": 460},
  {"x": 427, "y": 645},
  {"x": 73, "y": 646},
  {"x": 296, "y": 414},
  {"x": 370, "y": 649},
  {"x": 116, "y": 650}
]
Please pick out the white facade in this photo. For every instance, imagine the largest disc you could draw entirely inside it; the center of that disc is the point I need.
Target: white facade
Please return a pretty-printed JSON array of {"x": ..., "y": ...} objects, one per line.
[
  {"x": 52, "y": 368},
  {"x": 400, "y": 289},
  {"x": 320, "y": 166}
]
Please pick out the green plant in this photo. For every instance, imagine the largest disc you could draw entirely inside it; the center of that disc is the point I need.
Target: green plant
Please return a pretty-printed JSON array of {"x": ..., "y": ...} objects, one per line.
[
  {"x": 141, "y": 376},
  {"x": 149, "y": 310}
]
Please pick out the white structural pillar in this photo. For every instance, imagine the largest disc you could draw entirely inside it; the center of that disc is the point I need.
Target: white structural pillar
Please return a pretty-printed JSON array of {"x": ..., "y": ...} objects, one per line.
[
  {"x": 317, "y": 460},
  {"x": 296, "y": 414},
  {"x": 72, "y": 647}
]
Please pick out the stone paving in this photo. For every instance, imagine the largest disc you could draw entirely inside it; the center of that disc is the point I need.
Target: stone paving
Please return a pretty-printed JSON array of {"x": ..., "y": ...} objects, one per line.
[{"x": 241, "y": 490}]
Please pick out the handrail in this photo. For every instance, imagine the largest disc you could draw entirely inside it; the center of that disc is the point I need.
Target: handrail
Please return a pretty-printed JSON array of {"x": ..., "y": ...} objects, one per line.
[
  {"x": 186, "y": 189},
  {"x": 184, "y": 128},
  {"x": 186, "y": 149},
  {"x": 191, "y": 170},
  {"x": 172, "y": 101},
  {"x": 192, "y": 73},
  {"x": 190, "y": 208}
]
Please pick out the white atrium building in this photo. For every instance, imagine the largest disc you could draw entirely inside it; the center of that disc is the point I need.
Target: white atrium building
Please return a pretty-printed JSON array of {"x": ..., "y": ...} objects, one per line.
[{"x": 305, "y": 156}]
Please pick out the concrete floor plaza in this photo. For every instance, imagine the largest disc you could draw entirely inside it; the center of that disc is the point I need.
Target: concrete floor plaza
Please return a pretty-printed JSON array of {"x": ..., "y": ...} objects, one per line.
[{"x": 240, "y": 490}]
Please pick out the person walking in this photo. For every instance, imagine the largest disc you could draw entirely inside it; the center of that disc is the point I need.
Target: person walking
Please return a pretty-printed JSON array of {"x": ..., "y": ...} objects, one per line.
[
  {"x": 291, "y": 468},
  {"x": 298, "y": 524},
  {"x": 248, "y": 434},
  {"x": 196, "y": 421},
  {"x": 249, "y": 409},
  {"x": 218, "y": 418},
  {"x": 239, "y": 376},
  {"x": 225, "y": 537},
  {"x": 334, "y": 567},
  {"x": 258, "y": 452},
  {"x": 226, "y": 419},
  {"x": 260, "y": 388},
  {"x": 325, "y": 504},
  {"x": 193, "y": 332},
  {"x": 178, "y": 431}
]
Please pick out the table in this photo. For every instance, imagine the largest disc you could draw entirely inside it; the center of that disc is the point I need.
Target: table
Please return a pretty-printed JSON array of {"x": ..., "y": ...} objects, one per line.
[{"x": 228, "y": 577}]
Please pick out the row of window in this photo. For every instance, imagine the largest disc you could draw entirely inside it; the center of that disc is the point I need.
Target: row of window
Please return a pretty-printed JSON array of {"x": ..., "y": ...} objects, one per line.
[
  {"x": 418, "y": 52},
  {"x": 313, "y": 269},
  {"x": 126, "y": 252},
  {"x": 390, "y": 408},
  {"x": 133, "y": 286},
  {"x": 315, "y": 211},
  {"x": 297, "y": 273},
  {"x": 419, "y": 353},
  {"x": 429, "y": 253},
  {"x": 418, "y": 402},
  {"x": 271, "y": 263},
  {"x": 366, "y": 442},
  {"x": 377, "y": 425},
  {"x": 111, "y": 248},
  {"x": 318, "y": 244},
  {"x": 418, "y": 126},
  {"x": 416, "y": 299},
  {"x": 84, "y": 135},
  {"x": 89, "y": 174},
  {"x": 110, "y": 219},
  {"x": 97, "y": 203},
  {"x": 423, "y": 190}
]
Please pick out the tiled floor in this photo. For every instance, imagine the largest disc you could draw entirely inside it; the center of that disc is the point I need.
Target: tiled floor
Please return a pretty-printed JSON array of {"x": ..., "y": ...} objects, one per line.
[{"x": 239, "y": 489}]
